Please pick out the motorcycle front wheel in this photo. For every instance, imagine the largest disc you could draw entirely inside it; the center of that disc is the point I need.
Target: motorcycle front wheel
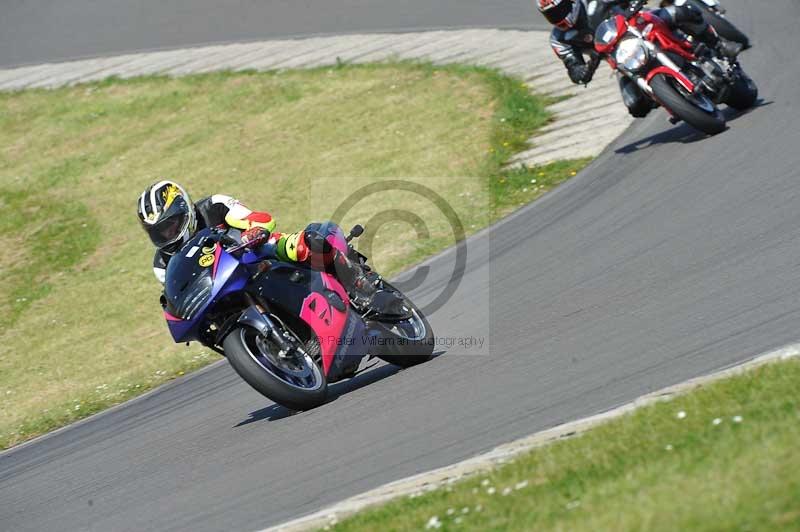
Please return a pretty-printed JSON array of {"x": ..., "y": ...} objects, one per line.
[
  {"x": 682, "y": 104},
  {"x": 414, "y": 338},
  {"x": 295, "y": 381}
]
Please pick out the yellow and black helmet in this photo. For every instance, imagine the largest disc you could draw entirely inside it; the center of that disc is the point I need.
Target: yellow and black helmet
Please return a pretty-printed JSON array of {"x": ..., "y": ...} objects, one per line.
[{"x": 167, "y": 215}]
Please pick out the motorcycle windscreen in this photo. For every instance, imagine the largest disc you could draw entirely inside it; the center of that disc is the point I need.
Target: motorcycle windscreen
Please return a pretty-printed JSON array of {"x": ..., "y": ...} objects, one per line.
[{"x": 609, "y": 33}]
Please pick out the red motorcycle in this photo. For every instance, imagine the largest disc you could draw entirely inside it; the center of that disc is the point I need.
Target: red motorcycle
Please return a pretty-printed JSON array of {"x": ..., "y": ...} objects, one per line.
[{"x": 688, "y": 79}]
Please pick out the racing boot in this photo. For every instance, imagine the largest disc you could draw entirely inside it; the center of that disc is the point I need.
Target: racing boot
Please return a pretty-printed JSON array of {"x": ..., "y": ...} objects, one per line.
[
  {"x": 360, "y": 284},
  {"x": 729, "y": 49},
  {"x": 725, "y": 48}
]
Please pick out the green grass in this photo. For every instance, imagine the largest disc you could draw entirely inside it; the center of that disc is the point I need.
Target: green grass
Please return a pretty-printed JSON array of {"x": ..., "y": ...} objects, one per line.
[
  {"x": 81, "y": 323},
  {"x": 61, "y": 233},
  {"x": 513, "y": 188},
  {"x": 650, "y": 470}
]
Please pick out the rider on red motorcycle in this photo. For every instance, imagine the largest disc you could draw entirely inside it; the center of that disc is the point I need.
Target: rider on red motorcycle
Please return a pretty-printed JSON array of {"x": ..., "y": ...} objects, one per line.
[
  {"x": 170, "y": 219},
  {"x": 573, "y": 35}
]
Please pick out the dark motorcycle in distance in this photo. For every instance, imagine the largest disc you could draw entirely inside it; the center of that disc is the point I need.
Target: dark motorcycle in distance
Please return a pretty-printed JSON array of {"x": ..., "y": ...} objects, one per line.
[
  {"x": 288, "y": 330},
  {"x": 714, "y": 14},
  {"x": 689, "y": 80}
]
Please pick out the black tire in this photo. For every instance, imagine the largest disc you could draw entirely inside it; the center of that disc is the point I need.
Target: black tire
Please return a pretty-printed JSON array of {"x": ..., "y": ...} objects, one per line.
[
  {"x": 724, "y": 27},
  {"x": 238, "y": 354},
  {"x": 744, "y": 93},
  {"x": 665, "y": 92},
  {"x": 412, "y": 353}
]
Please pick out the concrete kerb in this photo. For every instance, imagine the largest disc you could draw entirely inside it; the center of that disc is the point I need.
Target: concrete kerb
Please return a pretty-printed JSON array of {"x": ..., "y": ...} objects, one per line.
[{"x": 519, "y": 53}]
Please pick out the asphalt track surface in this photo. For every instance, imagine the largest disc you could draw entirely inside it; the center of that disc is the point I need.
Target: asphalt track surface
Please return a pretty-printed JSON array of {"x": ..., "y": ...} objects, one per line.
[
  {"x": 36, "y": 31},
  {"x": 671, "y": 256}
]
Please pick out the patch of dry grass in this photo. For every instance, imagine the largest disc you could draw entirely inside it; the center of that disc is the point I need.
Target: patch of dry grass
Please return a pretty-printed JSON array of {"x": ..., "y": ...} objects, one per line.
[{"x": 82, "y": 328}]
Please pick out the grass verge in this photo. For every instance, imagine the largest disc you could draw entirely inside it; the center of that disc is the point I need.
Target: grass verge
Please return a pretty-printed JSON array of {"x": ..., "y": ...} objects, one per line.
[
  {"x": 81, "y": 327},
  {"x": 723, "y": 457}
]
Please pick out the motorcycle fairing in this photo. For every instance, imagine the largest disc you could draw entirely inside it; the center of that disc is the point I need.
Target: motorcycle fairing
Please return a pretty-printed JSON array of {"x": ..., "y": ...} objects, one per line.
[
  {"x": 321, "y": 301},
  {"x": 227, "y": 276},
  {"x": 314, "y": 296},
  {"x": 653, "y": 29},
  {"x": 609, "y": 34},
  {"x": 323, "y": 312}
]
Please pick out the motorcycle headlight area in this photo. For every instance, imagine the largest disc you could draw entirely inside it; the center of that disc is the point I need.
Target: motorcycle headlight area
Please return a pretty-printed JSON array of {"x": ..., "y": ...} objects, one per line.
[
  {"x": 631, "y": 54},
  {"x": 193, "y": 298}
]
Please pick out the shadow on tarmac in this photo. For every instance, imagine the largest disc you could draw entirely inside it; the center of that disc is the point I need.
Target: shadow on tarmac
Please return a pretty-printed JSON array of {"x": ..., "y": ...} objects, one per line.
[
  {"x": 683, "y": 133},
  {"x": 277, "y": 412}
]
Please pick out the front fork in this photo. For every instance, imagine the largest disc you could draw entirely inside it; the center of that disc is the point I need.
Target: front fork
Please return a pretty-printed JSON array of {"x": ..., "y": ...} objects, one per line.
[
  {"x": 255, "y": 318},
  {"x": 712, "y": 83},
  {"x": 667, "y": 66}
]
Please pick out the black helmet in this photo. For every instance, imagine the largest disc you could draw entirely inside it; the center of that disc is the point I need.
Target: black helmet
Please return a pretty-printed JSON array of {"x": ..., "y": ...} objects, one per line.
[
  {"x": 559, "y": 13},
  {"x": 167, "y": 215}
]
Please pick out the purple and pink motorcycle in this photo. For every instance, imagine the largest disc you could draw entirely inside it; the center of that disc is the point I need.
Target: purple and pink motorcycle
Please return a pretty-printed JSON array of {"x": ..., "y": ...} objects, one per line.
[{"x": 288, "y": 330}]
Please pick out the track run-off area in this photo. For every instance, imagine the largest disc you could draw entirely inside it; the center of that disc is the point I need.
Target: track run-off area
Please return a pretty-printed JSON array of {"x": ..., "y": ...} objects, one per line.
[{"x": 671, "y": 256}]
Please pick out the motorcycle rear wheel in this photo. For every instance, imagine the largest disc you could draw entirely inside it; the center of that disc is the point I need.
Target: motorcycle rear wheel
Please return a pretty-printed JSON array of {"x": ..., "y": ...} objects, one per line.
[
  {"x": 724, "y": 27},
  {"x": 665, "y": 92},
  {"x": 251, "y": 357},
  {"x": 412, "y": 348}
]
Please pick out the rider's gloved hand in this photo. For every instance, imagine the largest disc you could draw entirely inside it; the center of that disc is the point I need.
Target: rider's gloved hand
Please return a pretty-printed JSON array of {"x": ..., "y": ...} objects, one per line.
[
  {"x": 580, "y": 73},
  {"x": 255, "y": 236}
]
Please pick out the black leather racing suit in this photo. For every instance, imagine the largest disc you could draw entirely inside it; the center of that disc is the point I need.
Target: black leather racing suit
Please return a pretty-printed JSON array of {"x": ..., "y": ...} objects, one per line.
[{"x": 572, "y": 45}]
